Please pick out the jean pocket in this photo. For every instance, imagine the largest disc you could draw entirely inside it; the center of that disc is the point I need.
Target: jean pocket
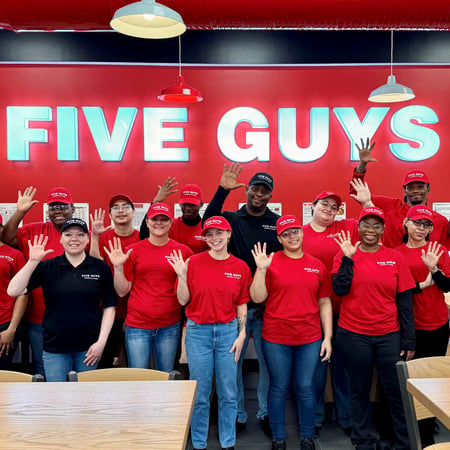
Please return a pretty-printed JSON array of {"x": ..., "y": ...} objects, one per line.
[{"x": 191, "y": 324}]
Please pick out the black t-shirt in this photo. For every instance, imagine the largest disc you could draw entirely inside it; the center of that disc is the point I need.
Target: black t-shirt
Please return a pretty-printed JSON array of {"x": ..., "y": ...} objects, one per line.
[{"x": 74, "y": 299}]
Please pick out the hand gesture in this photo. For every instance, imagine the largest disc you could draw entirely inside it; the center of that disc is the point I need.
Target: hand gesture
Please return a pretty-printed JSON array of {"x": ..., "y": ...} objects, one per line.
[
  {"x": 363, "y": 195},
  {"x": 115, "y": 252},
  {"x": 344, "y": 241},
  {"x": 37, "y": 250},
  {"x": 431, "y": 257},
  {"x": 229, "y": 177},
  {"x": 261, "y": 259},
  {"x": 365, "y": 151},
  {"x": 97, "y": 227},
  {"x": 176, "y": 261},
  {"x": 25, "y": 201},
  {"x": 428, "y": 282},
  {"x": 166, "y": 189}
]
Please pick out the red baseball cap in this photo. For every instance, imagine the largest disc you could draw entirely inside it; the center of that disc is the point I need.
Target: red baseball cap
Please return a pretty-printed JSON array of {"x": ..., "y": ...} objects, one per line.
[
  {"x": 118, "y": 197},
  {"x": 371, "y": 211},
  {"x": 217, "y": 222},
  {"x": 417, "y": 212},
  {"x": 329, "y": 194},
  {"x": 191, "y": 193},
  {"x": 59, "y": 195},
  {"x": 286, "y": 222},
  {"x": 415, "y": 175},
  {"x": 159, "y": 209}
]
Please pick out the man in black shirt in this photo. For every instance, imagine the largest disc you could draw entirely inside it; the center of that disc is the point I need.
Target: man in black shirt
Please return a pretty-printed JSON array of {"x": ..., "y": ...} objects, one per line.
[{"x": 252, "y": 223}]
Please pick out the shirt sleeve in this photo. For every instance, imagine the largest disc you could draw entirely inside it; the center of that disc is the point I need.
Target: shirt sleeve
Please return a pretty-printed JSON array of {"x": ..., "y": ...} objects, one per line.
[
  {"x": 406, "y": 318},
  {"x": 216, "y": 204},
  {"x": 342, "y": 280}
]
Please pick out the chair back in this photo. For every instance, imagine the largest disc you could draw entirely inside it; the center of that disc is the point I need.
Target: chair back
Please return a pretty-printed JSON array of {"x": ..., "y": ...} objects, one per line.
[
  {"x": 433, "y": 367},
  {"x": 12, "y": 376},
  {"x": 123, "y": 374}
]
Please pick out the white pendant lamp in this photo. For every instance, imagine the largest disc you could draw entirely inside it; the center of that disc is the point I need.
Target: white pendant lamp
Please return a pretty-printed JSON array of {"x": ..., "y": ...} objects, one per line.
[
  {"x": 149, "y": 20},
  {"x": 392, "y": 91}
]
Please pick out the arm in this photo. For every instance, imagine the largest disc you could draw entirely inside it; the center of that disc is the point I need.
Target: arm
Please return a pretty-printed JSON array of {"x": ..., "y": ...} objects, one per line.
[
  {"x": 407, "y": 330},
  {"x": 97, "y": 228},
  {"x": 24, "y": 203},
  {"x": 95, "y": 351},
  {"x": 180, "y": 267},
  {"x": 18, "y": 284},
  {"x": 118, "y": 258},
  {"x": 326, "y": 319},
  {"x": 239, "y": 342},
  {"x": 258, "y": 288},
  {"x": 7, "y": 336}
]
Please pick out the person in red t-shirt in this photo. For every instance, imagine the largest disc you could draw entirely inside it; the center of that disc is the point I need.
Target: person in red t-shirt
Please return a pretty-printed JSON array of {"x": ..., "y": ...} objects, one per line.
[
  {"x": 60, "y": 209},
  {"x": 121, "y": 213},
  {"x": 416, "y": 187},
  {"x": 376, "y": 323},
  {"x": 296, "y": 290},
  {"x": 152, "y": 323},
  {"x": 11, "y": 309},
  {"x": 318, "y": 241},
  {"x": 430, "y": 268},
  {"x": 214, "y": 286}
]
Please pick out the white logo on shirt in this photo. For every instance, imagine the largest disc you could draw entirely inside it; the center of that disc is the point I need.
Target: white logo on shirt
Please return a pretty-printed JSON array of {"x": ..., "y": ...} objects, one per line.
[
  {"x": 311, "y": 270},
  {"x": 7, "y": 257},
  {"x": 386, "y": 263},
  {"x": 90, "y": 276},
  {"x": 269, "y": 227},
  {"x": 235, "y": 276}
]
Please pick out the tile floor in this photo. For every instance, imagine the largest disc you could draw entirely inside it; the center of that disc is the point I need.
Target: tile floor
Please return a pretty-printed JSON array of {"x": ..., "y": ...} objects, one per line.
[{"x": 252, "y": 437}]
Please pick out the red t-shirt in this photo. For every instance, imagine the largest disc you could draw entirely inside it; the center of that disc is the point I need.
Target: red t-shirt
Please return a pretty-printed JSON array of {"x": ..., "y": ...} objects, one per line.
[
  {"x": 35, "y": 309},
  {"x": 187, "y": 235},
  {"x": 322, "y": 246},
  {"x": 291, "y": 315},
  {"x": 217, "y": 287},
  {"x": 125, "y": 241},
  {"x": 370, "y": 308},
  {"x": 11, "y": 261},
  {"x": 153, "y": 302},
  {"x": 430, "y": 309},
  {"x": 395, "y": 211}
]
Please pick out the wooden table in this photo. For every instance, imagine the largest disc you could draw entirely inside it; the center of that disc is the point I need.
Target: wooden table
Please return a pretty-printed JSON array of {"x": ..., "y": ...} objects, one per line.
[
  {"x": 102, "y": 415},
  {"x": 434, "y": 394}
]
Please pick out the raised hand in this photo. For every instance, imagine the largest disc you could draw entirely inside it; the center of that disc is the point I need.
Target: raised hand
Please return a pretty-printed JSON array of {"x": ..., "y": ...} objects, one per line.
[
  {"x": 431, "y": 256},
  {"x": 166, "y": 189},
  {"x": 176, "y": 261},
  {"x": 97, "y": 227},
  {"x": 365, "y": 151},
  {"x": 363, "y": 195},
  {"x": 344, "y": 241},
  {"x": 25, "y": 201},
  {"x": 229, "y": 177},
  {"x": 115, "y": 252},
  {"x": 37, "y": 250},
  {"x": 259, "y": 254}
]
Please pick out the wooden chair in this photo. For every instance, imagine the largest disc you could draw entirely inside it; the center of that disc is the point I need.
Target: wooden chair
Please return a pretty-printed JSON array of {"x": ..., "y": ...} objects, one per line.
[
  {"x": 123, "y": 374},
  {"x": 11, "y": 376},
  {"x": 434, "y": 367}
]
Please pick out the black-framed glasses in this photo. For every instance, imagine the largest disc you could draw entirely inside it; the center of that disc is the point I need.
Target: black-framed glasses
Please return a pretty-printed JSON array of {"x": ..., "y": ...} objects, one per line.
[
  {"x": 58, "y": 207},
  {"x": 327, "y": 204},
  {"x": 422, "y": 223}
]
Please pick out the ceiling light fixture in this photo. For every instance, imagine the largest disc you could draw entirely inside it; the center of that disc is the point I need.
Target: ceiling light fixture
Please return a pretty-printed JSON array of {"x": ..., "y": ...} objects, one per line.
[
  {"x": 392, "y": 91},
  {"x": 149, "y": 20},
  {"x": 180, "y": 92}
]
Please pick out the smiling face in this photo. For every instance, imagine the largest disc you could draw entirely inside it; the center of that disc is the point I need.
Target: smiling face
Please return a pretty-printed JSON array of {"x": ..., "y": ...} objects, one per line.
[
  {"x": 291, "y": 239},
  {"x": 418, "y": 230},
  {"x": 159, "y": 225},
  {"x": 416, "y": 193},
  {"x": 370, "y": 228},
  {"x": 217, "y": 240},
  {"x": 74, "y": 240},
  {"x": 190, "y": 211},
  {"x": 324, "y": 211},
  {"x": 257, "y": 198},
  {"x": 58, "y": 213},
  {"x": 121, "y": 212}
]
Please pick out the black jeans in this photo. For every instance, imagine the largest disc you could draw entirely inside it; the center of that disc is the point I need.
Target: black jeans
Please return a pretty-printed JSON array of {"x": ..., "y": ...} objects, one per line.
[{"x": 361, "y": 354}]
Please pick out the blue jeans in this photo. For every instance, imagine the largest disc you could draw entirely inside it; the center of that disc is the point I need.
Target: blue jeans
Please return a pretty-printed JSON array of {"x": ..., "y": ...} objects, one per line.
[
  {"x": 34, "y": 333},
  {"x": 163, "y": 342},
  {"x": 287, "y": 362},
  {"x": 254, "y": 327},
  {"x": 208, "y": 352},
  {"x": 58, "y": 364},
  {"x": 340, "y": 382}
]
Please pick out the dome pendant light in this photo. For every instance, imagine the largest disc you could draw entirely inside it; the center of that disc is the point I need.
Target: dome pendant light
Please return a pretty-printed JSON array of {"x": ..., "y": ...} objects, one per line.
[
  {"x": 149, "y": 20},
  {"x": 392, "y": 91},
  {"x": 180, "y": 92}
]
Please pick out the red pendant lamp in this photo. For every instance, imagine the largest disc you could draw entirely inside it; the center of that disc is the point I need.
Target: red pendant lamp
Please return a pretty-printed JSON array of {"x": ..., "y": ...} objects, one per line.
[{"x": 180, "y": 92}]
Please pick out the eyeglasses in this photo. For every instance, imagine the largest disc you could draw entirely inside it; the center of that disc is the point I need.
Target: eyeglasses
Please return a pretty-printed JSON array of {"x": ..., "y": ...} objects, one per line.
[
  {"x": 326, "y": 204},
  {"x": 368, "y": 226},
  {"x": 422, "y": 223},
  {"x": 58, "y": 207},
  {"x": 117, "y": 208},
  {"x": 291, "y": 231}
]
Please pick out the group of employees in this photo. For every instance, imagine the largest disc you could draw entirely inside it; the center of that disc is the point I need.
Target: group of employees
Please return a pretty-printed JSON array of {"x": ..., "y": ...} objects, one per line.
[{"x": 351, "y": 295}]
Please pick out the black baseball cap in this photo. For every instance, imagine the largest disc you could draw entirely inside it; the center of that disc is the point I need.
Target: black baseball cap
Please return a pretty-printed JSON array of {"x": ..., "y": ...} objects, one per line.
[
  {"x": 262, "y": 178},
  {"x": 75, "y": 223}
]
